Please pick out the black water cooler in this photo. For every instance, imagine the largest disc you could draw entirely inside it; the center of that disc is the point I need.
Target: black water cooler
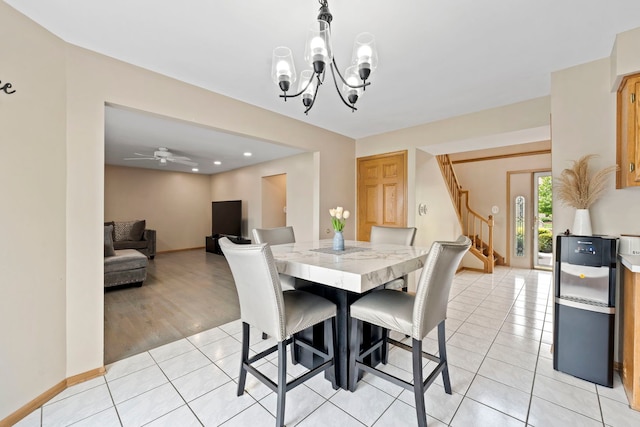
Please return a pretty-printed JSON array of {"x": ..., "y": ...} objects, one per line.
[{"x": 584, "y": 318}]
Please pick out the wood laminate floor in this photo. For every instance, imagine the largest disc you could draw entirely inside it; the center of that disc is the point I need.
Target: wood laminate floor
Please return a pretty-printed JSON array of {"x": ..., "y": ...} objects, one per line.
[{"x": 185, "y": 293}]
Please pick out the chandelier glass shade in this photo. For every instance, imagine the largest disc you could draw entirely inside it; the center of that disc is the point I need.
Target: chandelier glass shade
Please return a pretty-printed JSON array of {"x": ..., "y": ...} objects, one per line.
[{"x": 318, "y": 56}]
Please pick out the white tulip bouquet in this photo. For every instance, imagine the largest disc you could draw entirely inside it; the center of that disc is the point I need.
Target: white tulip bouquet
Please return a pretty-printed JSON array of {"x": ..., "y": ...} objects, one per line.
[{"x": 338, "y": 215}]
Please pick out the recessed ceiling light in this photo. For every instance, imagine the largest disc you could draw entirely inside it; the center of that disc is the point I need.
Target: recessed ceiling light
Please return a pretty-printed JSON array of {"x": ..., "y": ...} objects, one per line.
[
  {"x": 247, "y": 154},
  {"x": 217, "y": 162},
  {"x": 194, "y": 169}
]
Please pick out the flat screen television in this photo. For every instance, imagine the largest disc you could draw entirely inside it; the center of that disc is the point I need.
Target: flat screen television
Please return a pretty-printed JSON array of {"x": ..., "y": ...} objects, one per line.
[{"x": 226, "y": 218}]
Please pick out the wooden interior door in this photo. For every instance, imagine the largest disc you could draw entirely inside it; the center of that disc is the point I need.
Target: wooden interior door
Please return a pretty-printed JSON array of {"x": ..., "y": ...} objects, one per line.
[{"x": 382, "y": 192}]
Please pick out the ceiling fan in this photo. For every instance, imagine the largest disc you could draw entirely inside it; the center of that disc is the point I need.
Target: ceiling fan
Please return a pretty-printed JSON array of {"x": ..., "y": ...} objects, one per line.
[{"x": 163, "y": 155}]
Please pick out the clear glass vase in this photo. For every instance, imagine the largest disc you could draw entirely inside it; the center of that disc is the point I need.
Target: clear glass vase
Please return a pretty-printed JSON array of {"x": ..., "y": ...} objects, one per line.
[{"x": 338, "y": 241}]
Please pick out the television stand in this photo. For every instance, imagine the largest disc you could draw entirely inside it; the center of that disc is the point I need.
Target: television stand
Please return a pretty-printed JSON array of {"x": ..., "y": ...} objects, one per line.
[{"x": 211, "y": 242}]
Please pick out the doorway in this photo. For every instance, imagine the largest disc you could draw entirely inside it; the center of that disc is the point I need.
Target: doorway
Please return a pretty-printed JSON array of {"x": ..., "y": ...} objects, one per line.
[
  {"x": 274, "y": 201},
  {"x": 382, "y": 192},
  {"x": 543, "y": 220},
  {"x": 529, "y": 218}
]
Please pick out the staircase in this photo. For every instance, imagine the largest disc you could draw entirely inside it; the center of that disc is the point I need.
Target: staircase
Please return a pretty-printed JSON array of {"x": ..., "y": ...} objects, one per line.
[{"x": 478, "y": 228}]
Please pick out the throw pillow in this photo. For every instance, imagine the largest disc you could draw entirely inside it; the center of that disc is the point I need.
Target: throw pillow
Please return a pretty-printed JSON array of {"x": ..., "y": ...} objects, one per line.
[
  {"x": 137, "y": 231},
  {"x": 113, "y": 227},
  {"x": 123, "y": 230},
  {"x": 108, "y": 241}
]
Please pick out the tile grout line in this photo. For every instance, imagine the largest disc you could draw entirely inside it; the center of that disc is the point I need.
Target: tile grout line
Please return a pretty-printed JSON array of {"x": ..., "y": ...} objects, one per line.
[
  {"x": 533, "y": 383},
  {"x": 115, "y": 407},
  {"x": 486, "y": 353}
]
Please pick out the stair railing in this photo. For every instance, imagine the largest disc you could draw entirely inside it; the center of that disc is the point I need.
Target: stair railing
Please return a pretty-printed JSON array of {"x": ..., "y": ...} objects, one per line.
[{"x": 472, "y": 223}]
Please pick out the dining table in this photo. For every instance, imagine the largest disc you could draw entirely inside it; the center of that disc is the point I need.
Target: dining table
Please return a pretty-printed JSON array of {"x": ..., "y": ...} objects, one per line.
[{"x": 343, "y": 276}]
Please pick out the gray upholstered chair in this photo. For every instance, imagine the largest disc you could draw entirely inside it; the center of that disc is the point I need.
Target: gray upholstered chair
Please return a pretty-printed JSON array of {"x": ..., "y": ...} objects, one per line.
[
  {"x": 277, "y": 236},
  {"x": 395, "y": 236},
  {"x": 274, "y": 236},
  {"x": 264, "y": 306},
  {"x": 412, "y": 314}
]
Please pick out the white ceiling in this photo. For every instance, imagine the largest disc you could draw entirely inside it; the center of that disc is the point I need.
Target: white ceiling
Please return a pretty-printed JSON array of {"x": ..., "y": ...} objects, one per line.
[
  {"x": 128, "y": 132},
  {"x": 438, "y": 58}
]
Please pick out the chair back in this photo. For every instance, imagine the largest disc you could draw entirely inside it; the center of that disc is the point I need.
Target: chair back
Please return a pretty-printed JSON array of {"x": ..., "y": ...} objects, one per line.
[
  {"x": 274, "y": 236},
  {"x": 393, "y": 235},
  {"x": 259, "y": 291},
  {"x": 432, "y": 294}
]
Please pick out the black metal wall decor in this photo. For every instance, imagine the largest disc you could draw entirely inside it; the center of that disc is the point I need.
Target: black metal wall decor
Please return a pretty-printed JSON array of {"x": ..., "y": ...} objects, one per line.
[{"x": 6, "y": 88}]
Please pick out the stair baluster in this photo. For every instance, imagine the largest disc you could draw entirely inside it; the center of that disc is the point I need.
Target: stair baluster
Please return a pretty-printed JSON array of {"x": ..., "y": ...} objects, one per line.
[{"x": 472, "y": 223}]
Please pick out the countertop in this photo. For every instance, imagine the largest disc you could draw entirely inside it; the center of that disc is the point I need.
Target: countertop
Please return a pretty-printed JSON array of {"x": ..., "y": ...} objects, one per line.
[{"x": 632, "y": 262}]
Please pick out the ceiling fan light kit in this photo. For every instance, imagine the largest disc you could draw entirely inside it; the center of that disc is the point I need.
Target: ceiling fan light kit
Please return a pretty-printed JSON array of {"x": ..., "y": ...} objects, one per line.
[
  {"x": 318, "y": 55},
  {"x": 163, "y": 155}
]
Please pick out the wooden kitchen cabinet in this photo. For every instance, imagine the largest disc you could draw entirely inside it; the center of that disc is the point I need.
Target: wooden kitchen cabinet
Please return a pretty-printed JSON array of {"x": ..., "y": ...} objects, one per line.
[
  {"x": 628, "y": 133},
  {"x": 631, "y": 336}
]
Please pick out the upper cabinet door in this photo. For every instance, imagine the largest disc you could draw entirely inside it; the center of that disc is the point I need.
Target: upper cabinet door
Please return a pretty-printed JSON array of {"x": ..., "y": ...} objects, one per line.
[{"x": 628, "y": 133}]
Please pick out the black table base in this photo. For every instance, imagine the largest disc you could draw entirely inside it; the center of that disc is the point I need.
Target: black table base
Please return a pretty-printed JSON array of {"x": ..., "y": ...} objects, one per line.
[{"x": 316, "y": 335}]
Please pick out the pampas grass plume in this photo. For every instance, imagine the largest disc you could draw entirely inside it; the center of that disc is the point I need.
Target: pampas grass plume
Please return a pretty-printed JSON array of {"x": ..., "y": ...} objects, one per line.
[{"x": 574, "y": 186}]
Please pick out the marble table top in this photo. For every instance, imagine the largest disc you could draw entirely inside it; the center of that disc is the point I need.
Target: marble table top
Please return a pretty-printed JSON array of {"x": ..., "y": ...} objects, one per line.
[{"x": 355, "y": 271}]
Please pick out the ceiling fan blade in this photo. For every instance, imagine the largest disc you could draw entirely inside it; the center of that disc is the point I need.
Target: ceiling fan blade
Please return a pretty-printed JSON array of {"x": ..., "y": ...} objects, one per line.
[
  {"x": 182, "y": 162},
  {"x": 138, "y": 158},
  {"x": 143, "y": 155},
  {"x": 180, "y": 158}
]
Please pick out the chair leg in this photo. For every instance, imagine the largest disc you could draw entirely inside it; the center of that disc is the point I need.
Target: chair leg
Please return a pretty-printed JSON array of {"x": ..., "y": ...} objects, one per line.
[
  {"x": 385, "y": 346},
  {"x": 244, "y": 358},
  {"x": 330, "y": 338},
  {"x": 354, "y": 353},
  {"x": 442, "y": 353},
  {"x": 418, "y": 385},
  {"x": 282, "y": 382},
  {"x": 294, "y": 358}
]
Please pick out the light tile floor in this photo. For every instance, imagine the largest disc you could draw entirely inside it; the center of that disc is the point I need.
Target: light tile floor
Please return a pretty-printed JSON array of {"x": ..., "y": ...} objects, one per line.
[{"x": 499, "y": 341}]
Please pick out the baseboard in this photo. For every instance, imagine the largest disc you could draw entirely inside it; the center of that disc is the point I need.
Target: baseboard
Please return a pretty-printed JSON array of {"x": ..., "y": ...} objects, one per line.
[
  {"x": 85, "y": 376},
  {"x": 179, "y": 250},
  {"x": 50, "y": 394},
  {"x": 477, "y": 270}
]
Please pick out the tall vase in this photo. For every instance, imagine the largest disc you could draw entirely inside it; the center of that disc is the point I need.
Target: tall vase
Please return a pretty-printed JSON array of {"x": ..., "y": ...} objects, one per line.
[
  {"x": 582, "y": 223},
  {"x": 338, "y": 241}
]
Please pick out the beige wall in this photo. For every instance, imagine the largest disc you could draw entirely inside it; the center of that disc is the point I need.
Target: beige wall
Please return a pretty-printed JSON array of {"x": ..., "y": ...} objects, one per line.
[
  {"x": 52, "y": 305},
  {"x": 33, "y": 211},
  {"x": 511, "y": 118},
  {"x": 302, "y": 199},
  {"x": 584, "y": 122},
  {"x": 56, "y": 285},
  {"x": 583, "y": 106},
  {"x": 440, "y": 221},
  {"x": 274, "y": 201},
  {"x": 95, "y": 80},
  {"x": 425, "y": 183},
  {"x": 175, "y": 204}
]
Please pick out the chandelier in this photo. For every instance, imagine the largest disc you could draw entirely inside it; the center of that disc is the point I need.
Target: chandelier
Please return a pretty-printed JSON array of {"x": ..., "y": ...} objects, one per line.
[{"x": 318, "y": 55}]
